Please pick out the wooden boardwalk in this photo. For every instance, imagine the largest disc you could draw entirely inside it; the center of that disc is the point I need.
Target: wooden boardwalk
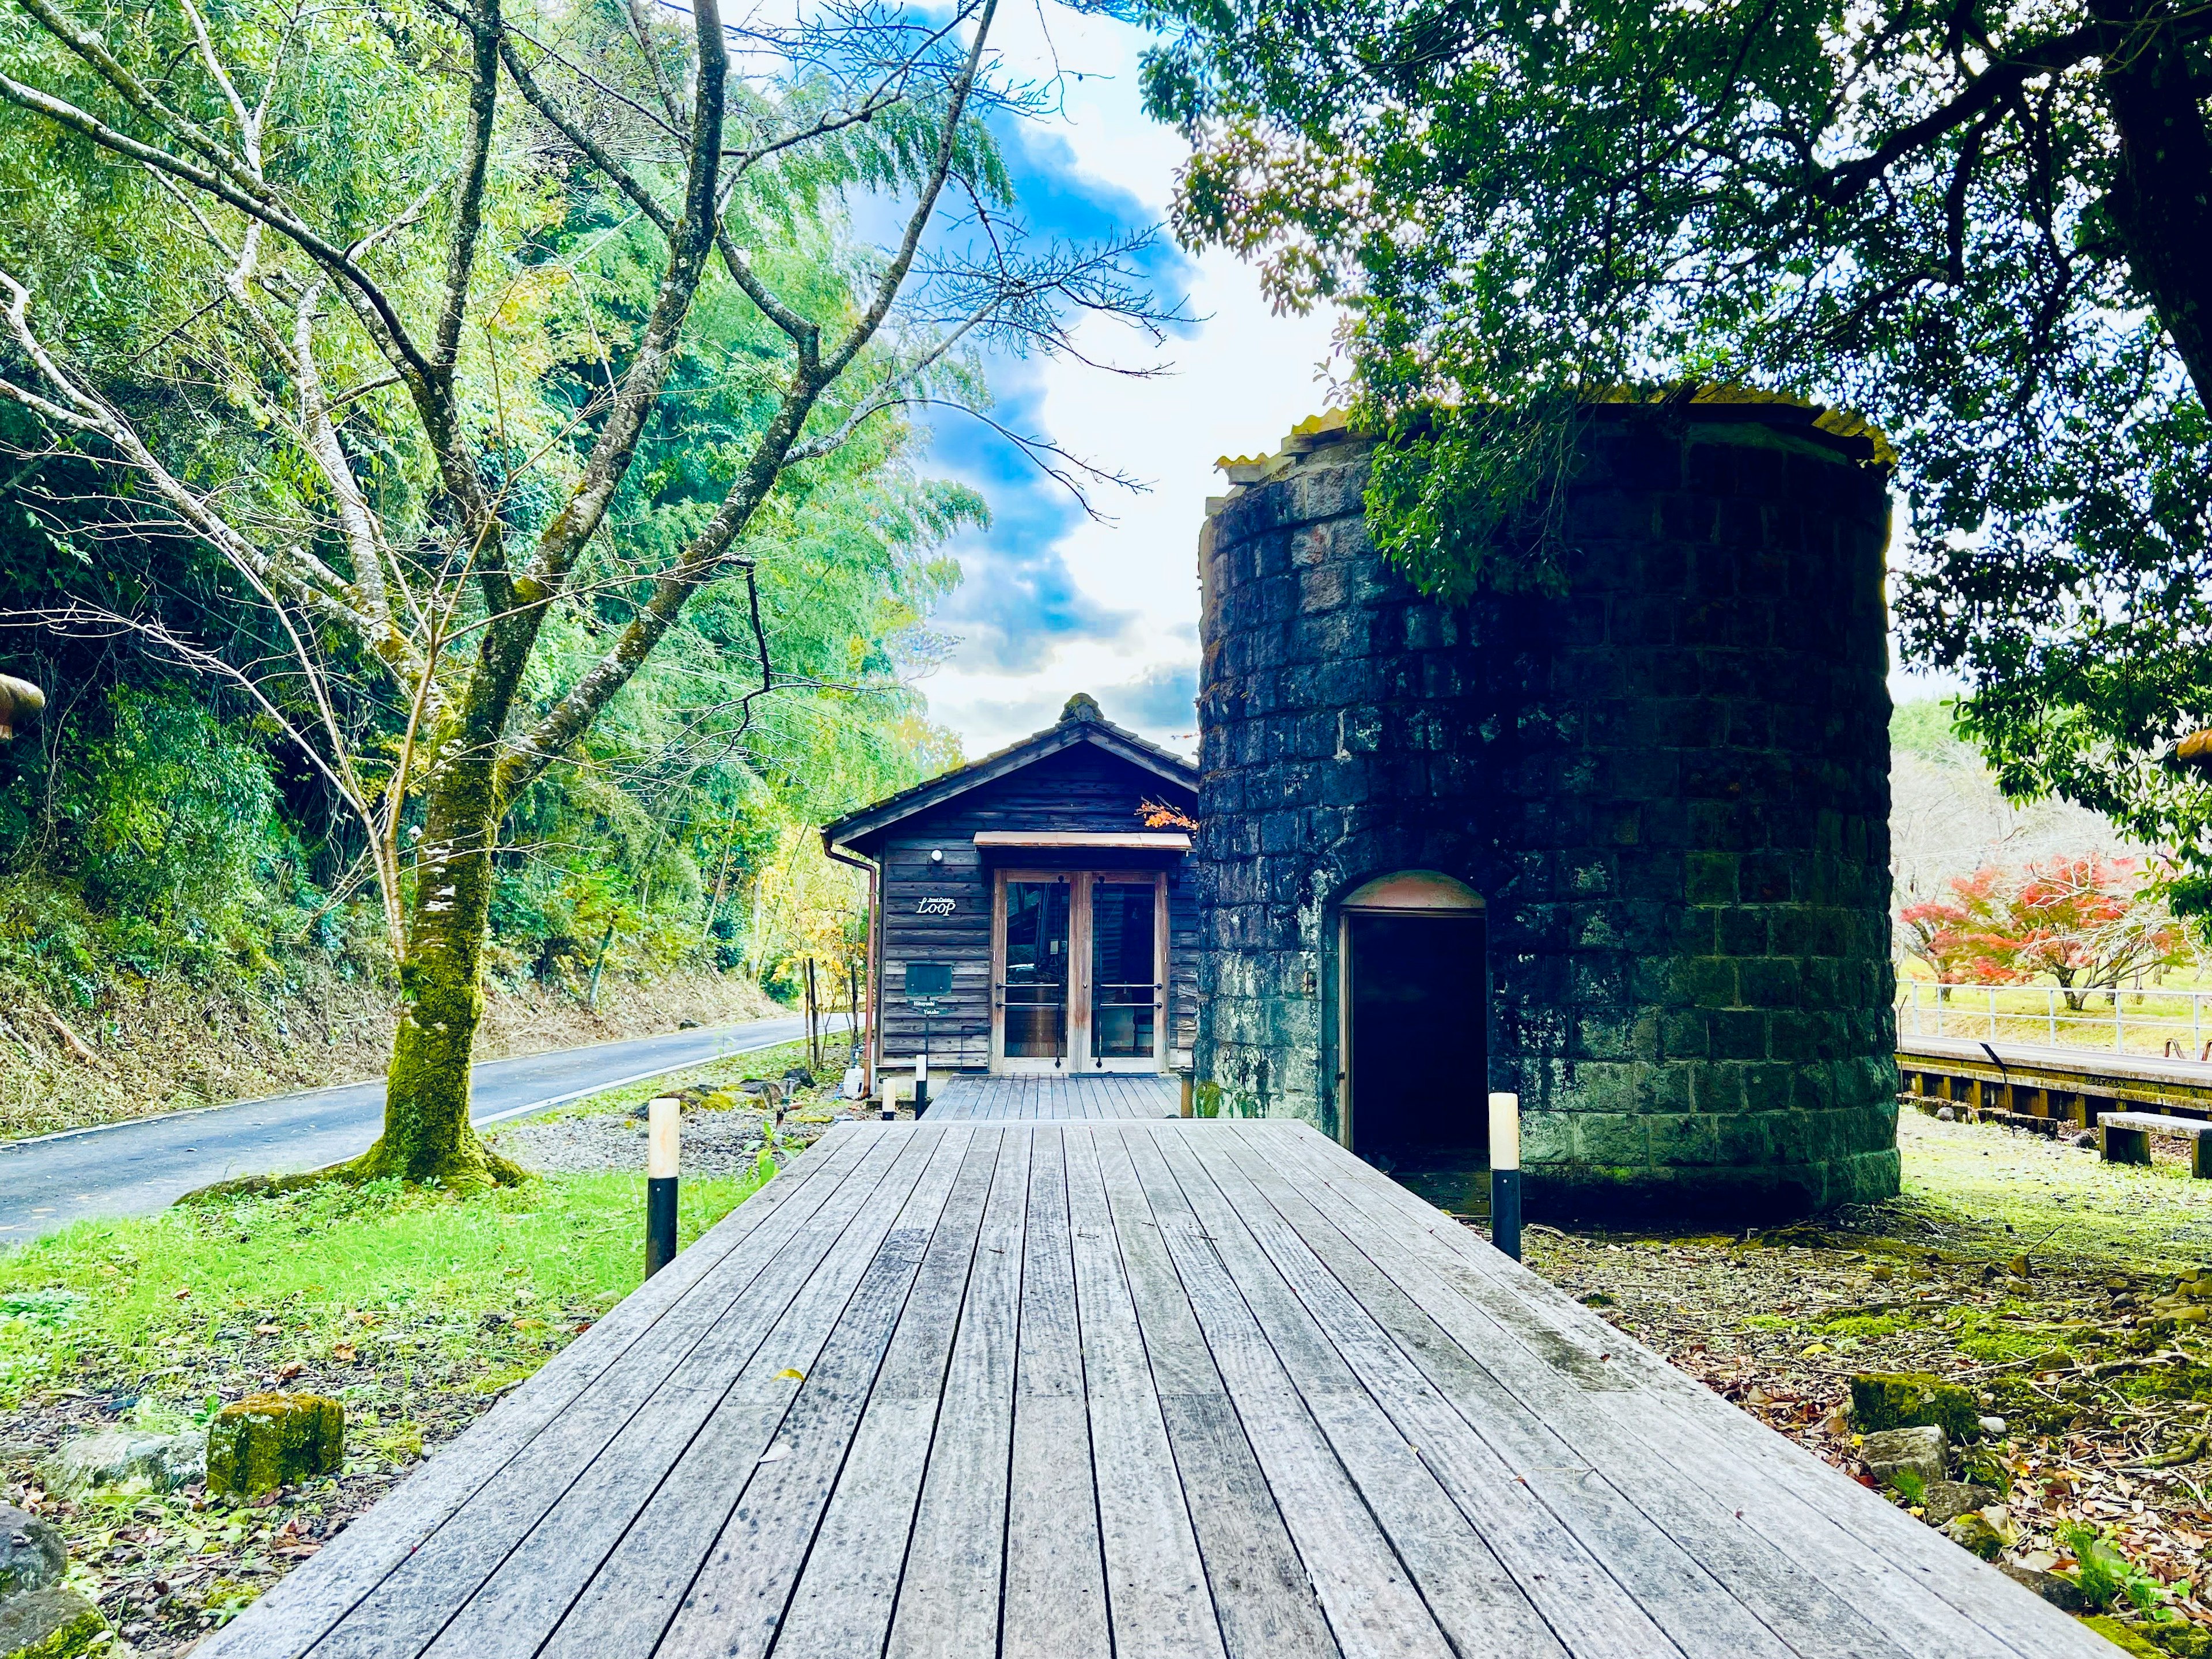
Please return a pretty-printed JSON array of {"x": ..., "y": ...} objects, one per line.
[
  {"x": 1136, "y": 1390},
  {"x": 1090, "y": 1099}
]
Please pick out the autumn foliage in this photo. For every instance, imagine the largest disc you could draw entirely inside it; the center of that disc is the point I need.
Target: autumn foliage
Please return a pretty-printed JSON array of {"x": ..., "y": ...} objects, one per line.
[{"x": 2086, "y": 922}]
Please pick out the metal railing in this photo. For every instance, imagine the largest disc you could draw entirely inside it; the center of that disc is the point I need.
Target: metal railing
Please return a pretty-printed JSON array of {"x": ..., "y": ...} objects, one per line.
[{"x": 2176, "y": 1024}]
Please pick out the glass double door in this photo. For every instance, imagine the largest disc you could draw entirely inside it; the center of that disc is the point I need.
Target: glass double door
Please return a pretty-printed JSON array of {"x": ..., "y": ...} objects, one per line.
[{"x": 1082, "y": 982}]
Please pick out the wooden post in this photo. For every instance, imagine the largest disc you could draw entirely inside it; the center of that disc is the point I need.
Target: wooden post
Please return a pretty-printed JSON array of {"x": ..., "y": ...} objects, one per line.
[
  {"x": 663, "y": 1159},
  {"x": 1506, "y": 1173}
]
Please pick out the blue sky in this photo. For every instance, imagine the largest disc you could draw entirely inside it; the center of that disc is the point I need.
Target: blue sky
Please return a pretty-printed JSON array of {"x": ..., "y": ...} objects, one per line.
[{"x": 1053, "y": 601}]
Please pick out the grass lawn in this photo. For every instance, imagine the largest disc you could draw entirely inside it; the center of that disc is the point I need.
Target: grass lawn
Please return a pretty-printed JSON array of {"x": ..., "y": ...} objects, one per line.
[{"x": 415, "y": 1308}]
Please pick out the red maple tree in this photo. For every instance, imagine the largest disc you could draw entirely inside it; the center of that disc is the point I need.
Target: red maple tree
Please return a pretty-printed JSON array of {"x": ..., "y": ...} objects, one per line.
[{"x": 2087, "y": 921}]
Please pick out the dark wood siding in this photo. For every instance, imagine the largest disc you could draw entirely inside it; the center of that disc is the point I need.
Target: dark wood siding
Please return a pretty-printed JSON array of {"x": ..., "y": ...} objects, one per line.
[{"x": 1078, "y": 790}]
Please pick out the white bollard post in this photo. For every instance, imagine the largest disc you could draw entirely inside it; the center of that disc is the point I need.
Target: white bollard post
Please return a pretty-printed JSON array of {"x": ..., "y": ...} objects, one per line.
[
  {"x": 664, "y": 1159},
  {"x": 1506, "y": 1173}
]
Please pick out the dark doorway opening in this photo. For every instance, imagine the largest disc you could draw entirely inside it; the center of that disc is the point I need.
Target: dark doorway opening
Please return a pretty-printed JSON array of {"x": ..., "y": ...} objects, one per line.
[{"x": 1419, "y": 1036}]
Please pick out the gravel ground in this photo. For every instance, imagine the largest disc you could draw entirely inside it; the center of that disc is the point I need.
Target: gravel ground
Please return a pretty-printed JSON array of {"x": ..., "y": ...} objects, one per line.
[
  {"x": 726, "y": 1142},
  {"x": 2062, "y": 1290}
]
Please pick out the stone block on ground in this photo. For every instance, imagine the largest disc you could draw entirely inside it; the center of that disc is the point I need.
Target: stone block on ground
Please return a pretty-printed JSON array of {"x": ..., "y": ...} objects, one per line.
[
  {"x": 49, "y": 1624},
  {"x": 1945, "y": 1501},
  {"x": 164, "y": 1462},
  {"x": 270, "y": 1440},
  {"x": 1918, "y": 1451},
  {"x": 1906, "y": 1400},
  {"x": 1977, "y": 1533},
  {"x": 2062, "y": 1593},
  {"x": 31, "y": 1555}
]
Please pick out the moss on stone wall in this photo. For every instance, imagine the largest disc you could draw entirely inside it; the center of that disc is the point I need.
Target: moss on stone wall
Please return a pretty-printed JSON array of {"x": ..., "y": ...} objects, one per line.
[{"x": 1670, "y": 784}]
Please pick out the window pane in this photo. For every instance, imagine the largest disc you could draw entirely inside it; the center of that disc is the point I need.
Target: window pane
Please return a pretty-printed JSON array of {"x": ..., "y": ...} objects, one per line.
[
  {"x": 1122, "y": 962},
  {"x": 1036, "y": 968}
]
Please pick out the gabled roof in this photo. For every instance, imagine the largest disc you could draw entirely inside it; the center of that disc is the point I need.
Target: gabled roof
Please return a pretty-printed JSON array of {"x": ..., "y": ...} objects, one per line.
[{"x": 1079, "y": 722}]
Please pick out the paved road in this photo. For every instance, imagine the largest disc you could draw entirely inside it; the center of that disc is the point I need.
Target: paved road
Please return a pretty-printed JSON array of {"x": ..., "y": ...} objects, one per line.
[{"x": 130, "y": 1168}]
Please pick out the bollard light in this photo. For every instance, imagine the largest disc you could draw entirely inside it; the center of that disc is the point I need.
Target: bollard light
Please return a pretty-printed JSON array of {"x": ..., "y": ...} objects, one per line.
[
  {"x": 920, "y": 1083},
  {"x": 664, "y": 1157},
  {"x": 1506, "y": 1173}
]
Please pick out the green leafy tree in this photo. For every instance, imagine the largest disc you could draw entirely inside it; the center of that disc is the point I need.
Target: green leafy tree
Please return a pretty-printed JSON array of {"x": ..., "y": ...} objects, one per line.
[
  {"x": 1983, "y": 225},
  {"x": 404, "y": 226}
]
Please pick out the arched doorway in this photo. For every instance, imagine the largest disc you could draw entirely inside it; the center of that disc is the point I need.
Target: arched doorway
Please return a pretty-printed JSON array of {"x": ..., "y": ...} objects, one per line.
[{"x": 1414, "y": 1020}]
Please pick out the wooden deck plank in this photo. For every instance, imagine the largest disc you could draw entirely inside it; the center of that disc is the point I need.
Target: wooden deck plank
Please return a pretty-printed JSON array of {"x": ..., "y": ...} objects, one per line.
[
  {"x": 1371, "y": 1604},
  {"x": 949, "y": 1597},
  {"x": 1665, "y": 1431},
  {"x": 843, "y": 1605},
  {"x": 1470, "y": 1599},
  {"x": 1055, "y": 1605},
  {"x": 422, "y": 1593},
  {"x": 735, "y": 1605},
  {"x": 551, "y": 1544},
  {"x": 1674, "y": 1555},
  {"x": 1157, "y": 1588},
  {"x": 1602, "y": 1574},
  {"x": 301, "y": 1608},
  {"x": 1154, "y": 1368},
  {"x": 638, "y": 1588},
  {"x": 1096, "y": 1382},
  {"x": 1634, "y": 1512}
]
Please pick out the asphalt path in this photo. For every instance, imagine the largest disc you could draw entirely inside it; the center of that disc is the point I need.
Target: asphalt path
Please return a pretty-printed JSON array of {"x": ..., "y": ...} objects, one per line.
[{"x": 130, "y": 1168}]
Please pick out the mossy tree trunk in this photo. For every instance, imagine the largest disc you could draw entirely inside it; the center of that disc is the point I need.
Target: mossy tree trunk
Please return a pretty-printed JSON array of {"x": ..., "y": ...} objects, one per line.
[{"x": 427, "y": 1136}]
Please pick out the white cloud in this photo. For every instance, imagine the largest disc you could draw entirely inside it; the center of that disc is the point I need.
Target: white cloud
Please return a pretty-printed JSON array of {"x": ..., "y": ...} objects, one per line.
[{"x": 1236, "y": 385}]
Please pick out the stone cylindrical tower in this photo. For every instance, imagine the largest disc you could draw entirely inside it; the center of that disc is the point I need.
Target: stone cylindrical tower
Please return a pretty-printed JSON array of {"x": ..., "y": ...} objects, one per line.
[{"x": 1624, "y": 849}]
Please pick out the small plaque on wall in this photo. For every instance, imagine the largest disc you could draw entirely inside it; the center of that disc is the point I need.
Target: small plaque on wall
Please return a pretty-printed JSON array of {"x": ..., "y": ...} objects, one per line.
[
  {"x": 933, "y": 907},
  {"x": 928, "y": 979}
]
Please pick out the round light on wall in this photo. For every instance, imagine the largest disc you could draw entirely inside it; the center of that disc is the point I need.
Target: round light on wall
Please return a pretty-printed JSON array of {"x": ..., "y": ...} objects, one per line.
[{"x": 937, "y": 855}]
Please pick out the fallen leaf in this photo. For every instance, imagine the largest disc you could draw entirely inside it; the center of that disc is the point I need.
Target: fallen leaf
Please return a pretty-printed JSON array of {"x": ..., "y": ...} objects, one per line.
[
  {"x": 268, "y": 1330},
  {"x": 286, "y": 1372},
  {"x": 344, "y": 1354},
  {"x": 777, "y": 1453},
  {"x": 181, "y": 1292},
  {"x": 795, "y": 1375}
]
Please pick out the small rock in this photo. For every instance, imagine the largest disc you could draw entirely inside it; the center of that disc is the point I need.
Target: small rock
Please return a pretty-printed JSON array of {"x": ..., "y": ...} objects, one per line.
[
  {"x": 2195, "y": 1313},
  {"x": 49, "y": 1624},
  {"x": 1881, "y": 1272},
  {"x": 1972, "y": 1533},
  {"x": 164, "y": 1462},
  {"x": 1918, "y": 1451},
  {"x": 1991, "y": 1424},
  {"x": 2061, "y": 1593},
  {"x": 31, "y": 1555},
  {"x": 2087, "y": 1140},
  {"x": 1945, "y": 1114},
  {"x": 270, "y": 1440},
  {"x": 1944, "y": 1501},
  {"x": 687, "y": 1024}
]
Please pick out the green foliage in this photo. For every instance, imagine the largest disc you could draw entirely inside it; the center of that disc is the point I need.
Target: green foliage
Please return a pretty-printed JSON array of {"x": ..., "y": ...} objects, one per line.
[
  {"x": 1984, "y": 232},
  {"x": 157, "y": 822},
  {"x": 2107, "y": 1578}
]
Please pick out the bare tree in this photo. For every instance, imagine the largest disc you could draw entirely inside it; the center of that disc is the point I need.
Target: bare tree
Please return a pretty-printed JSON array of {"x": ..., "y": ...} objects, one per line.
[{"x": 449, "y": 609}]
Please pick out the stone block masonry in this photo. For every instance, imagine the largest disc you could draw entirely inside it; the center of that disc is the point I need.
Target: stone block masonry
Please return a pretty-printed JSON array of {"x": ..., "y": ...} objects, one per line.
[{"x": 1670, "y": 784}]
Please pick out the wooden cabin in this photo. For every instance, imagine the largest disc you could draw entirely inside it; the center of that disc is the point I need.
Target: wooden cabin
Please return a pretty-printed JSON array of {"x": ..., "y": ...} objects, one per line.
[{"x": 1033, "y": 912}]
